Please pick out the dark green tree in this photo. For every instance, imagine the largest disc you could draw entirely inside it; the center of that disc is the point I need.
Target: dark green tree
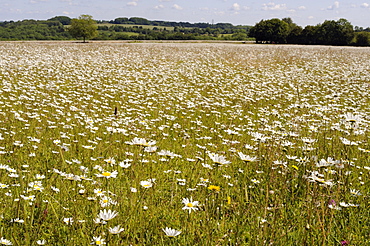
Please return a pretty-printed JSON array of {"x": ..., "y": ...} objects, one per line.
[
  {"x": 121, "y": 20},
  {"x": 83, "y": 27},
  {"x": 270, "y": 31},
  {"x": 362, "y": 39},
  {"x": 65, "y": 20},
  {"x": 335, "y": 32},
  {"x": 294, "y": 36},
  {"x": 139, "y": 21},
  {"x": 309, "y": 35}
]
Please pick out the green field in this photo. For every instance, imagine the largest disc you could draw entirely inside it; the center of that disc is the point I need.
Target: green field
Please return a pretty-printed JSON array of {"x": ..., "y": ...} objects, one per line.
[
  {"x": 184, "y": 144},
  {"x": 169, "y": 28}
]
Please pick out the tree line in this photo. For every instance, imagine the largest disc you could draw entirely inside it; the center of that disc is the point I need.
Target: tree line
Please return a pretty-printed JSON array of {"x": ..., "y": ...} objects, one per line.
[
  {"x": 33, "y": 30},
  {"x": 135, "y": 28},
  {"x": 330, "y": 32},
  {"x": 143, "y": 21},
  {"x": 283, "y": 31}
]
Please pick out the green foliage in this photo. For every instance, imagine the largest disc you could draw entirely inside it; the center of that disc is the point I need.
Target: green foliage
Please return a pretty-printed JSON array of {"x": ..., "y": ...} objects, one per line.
[
  {"x": 286, "y": 31},
  {"x": 33, "y": 30},
  {"x": 335, "y": 32},
  {"x": 270, "y": 31},
  {"x": 362, "y": 39},
  {"x": 84, "y": 27},
  {"x": 65, "y": 20},
  {"x": 339, "y": 32}
]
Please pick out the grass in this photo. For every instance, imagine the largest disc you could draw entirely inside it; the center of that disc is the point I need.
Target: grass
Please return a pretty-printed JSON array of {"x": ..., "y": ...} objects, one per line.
[{"x": 136, "y": 128}]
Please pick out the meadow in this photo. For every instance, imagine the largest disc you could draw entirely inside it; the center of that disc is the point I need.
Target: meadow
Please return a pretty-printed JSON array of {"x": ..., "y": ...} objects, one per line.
[{"x": 183, "y": 144}]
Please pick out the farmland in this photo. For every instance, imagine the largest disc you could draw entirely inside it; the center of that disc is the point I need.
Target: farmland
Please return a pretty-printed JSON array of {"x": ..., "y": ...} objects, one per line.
[{"x": 184, "y": 144}]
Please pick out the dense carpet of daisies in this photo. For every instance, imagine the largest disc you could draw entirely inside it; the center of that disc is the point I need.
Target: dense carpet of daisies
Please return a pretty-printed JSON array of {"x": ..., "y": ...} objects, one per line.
[{"x": 183, "y": 144}]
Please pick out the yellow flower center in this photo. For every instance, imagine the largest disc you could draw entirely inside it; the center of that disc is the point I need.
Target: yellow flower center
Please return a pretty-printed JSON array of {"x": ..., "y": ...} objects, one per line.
[
  {"x": 106, "y": 174},
  {"x": 190, "y": 205}
]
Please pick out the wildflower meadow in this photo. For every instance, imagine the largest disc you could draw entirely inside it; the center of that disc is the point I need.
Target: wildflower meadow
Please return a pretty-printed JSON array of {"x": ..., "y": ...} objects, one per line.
[{"x": 184, "y": 144}]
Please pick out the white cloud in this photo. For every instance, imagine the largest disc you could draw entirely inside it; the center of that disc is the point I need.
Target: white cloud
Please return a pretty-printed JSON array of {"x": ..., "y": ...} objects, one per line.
[
  {"x": 334, "y": 6},
  {"x": 165, "y": 0},
  {"x": 177, "y": 7},
  {"x": 70, "y": 2},
  {"x": 273, "y": 6},
  {"x": 302, "y": 7},
  {"x": 37, "y": 1},
  {"x": 159, "y": 7},
  {"x": 235, "y": 7},
  {"x": 132, "y": 3},
  {"x": 365, "y": 5}
]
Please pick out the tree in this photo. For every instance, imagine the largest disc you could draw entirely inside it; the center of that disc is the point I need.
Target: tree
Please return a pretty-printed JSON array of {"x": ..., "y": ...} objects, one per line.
[
  {"x": 84, "y": 26},
  {"x": 295, "y": 31},
  {"x": 335, "y": 32},
  {"x": 270, "y": 31},
  {"x": 65, "y": 20},
  {"x": 121, "y": 20},
  {"x": 362, "y": 39},
  {"x": 309, "y": 35}
]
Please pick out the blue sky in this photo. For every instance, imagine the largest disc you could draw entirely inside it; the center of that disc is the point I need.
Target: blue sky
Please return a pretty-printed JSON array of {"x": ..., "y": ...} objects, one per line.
[{"x": 247, "y": 12}]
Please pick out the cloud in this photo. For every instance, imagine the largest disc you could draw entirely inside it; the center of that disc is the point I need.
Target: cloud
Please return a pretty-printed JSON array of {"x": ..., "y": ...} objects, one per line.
[
  {"x": 159, "y": 7},
  {"x": 302, "y": 7},
  {"x": 334, "y": 6},
  {"x": 70, "y": 2},
  {"x": 132, "y": 3},
  {"x": 235, "y": 7},
  {"x": 365, "y": 5},
  {"x": 177, "y": 7},
  {"x": 165, "y": 0},
  {"x": 37, "y": 1},
  {"x": 273, "y": 6}
]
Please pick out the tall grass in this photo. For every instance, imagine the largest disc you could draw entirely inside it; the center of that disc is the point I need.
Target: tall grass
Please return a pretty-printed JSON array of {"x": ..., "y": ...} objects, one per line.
[{"x": 136, "y": 128}]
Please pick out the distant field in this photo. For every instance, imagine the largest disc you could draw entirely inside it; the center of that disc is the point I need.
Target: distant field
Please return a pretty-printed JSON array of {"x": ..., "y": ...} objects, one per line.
[
  {"x": 217, "y": 143},
  {"x": 126, "y": 33},
  {"x": 143, "y": 26}
]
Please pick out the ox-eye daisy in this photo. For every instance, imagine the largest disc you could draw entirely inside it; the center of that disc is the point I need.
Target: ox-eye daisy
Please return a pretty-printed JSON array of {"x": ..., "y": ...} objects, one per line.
[
  {"x": 98, "y": 241},
  {"x": 106, "y": 174},
  {"x": 4, "y": 241},
  {"x": 107, "y": 215},
  {"x": 190, "y": 204},
  {"x": 115, "y": 230},
  {"x": 171, "y": 232}
]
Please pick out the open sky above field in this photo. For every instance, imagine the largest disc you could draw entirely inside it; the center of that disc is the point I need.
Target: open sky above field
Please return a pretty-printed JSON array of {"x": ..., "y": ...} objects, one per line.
[{"x": 232, "y": 11}]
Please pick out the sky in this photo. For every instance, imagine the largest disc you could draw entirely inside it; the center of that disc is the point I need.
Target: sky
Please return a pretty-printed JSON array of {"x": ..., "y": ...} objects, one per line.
[{"x": 237, "y": 12}]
